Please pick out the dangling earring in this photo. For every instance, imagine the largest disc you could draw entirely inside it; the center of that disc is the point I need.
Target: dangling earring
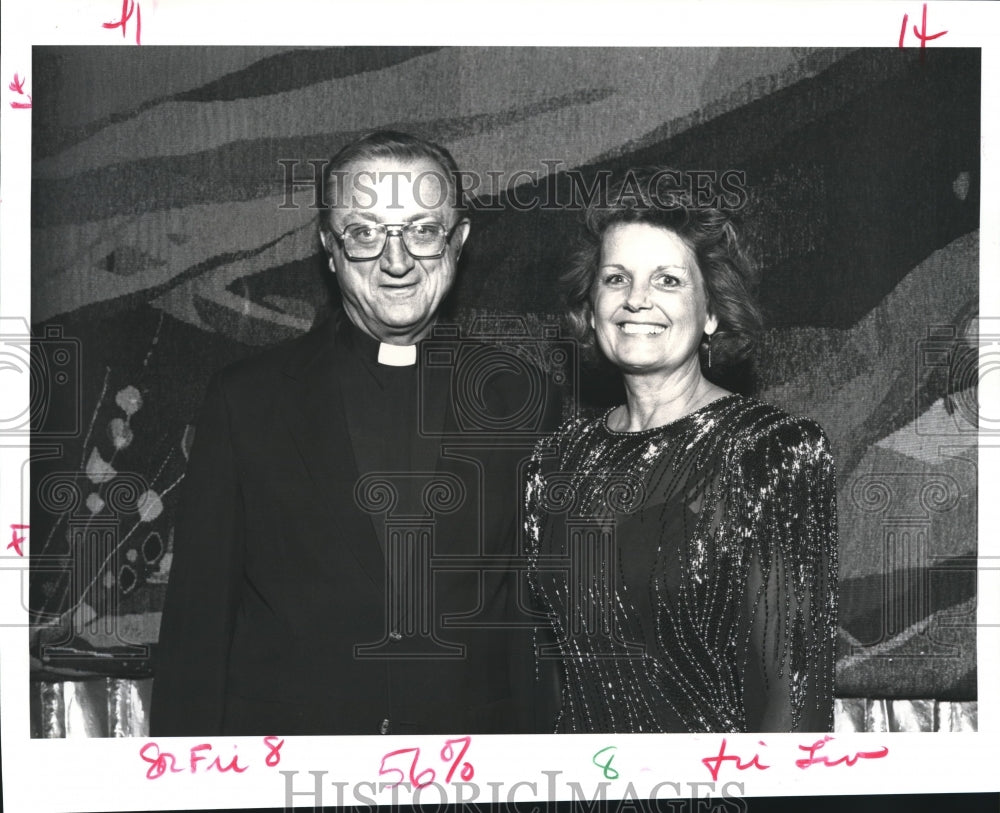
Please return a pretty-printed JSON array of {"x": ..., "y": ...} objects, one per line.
[{"x": 710, "y": 351}]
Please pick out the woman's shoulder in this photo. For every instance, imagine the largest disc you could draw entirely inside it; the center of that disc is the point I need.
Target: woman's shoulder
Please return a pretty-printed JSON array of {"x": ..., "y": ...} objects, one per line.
[
  {"x": 760, "y": 432},
  {"x": 752, "y": 419}
]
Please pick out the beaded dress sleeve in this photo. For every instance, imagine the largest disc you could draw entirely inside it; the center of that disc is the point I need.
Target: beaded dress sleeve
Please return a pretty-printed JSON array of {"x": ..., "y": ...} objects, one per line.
[{"x": 785, "y": 501}]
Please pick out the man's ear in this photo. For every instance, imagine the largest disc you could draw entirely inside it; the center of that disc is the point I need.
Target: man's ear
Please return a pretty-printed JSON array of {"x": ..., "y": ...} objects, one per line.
[
  {"x": 460, "y": 236},
  {"x": 326, "y": 238},
  {"x": 329, "y": 243}
]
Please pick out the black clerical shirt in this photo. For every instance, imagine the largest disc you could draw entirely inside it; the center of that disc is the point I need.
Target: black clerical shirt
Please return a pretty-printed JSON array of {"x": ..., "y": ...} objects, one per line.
[{"x": 382, "y": 405}]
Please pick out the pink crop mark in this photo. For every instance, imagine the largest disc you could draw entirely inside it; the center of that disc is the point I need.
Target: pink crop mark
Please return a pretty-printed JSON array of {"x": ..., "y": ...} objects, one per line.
[
  {"x": 18, "y": 87},
  {"x": 17, "y": 541},
  {"x": 129, "y": 7},
  {"x": 921, "y": 35}
]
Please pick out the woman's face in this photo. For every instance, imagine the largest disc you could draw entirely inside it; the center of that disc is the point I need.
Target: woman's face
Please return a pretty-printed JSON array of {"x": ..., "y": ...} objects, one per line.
[{"x": 650, "y": 309}]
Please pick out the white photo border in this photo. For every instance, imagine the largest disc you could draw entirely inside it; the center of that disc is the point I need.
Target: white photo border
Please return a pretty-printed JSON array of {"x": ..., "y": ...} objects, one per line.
[{"x": 110, "y": 774}]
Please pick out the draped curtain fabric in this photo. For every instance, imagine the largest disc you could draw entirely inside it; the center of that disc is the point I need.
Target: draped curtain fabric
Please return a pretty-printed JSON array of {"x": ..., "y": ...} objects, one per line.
[
  {"x": 112, "y": 707},
  {"x": 167, "y": 241}
]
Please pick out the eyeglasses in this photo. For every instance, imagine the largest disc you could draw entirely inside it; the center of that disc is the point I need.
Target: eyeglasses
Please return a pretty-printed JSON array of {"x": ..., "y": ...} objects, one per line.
[{"x": 424, "y": 240}]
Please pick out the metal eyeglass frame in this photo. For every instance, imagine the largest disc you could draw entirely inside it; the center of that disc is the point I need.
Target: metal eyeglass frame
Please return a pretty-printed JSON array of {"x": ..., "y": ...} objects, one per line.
[{"x": 396, "y": 230}]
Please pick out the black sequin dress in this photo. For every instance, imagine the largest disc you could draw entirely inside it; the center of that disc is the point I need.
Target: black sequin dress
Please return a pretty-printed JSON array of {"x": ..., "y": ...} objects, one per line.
[{"x": 689, "y": 571}]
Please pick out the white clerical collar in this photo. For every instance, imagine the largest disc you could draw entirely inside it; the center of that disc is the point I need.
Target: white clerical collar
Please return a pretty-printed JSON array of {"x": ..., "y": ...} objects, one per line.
[{"x": 397, "y": 355}]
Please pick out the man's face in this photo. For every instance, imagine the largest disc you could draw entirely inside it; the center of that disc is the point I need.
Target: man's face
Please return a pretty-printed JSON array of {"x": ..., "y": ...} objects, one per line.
[{"x": 394, "y": 297}]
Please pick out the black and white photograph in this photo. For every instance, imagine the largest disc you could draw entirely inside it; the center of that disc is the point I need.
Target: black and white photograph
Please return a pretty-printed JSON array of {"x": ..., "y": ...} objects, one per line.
[{"x": 434, "y": 392}]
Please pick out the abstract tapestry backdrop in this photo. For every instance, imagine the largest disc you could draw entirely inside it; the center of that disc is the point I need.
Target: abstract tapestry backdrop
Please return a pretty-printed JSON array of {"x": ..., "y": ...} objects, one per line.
[{"x": 168, "y": 241}]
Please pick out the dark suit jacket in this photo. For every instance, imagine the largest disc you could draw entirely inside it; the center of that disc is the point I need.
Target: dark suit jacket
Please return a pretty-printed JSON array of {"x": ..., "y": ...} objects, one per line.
[{"x": 278, "y": 576}]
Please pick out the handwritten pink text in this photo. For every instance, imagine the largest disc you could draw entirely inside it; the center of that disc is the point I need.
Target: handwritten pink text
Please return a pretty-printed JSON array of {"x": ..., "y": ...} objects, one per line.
[
  {"x": 818, "y": 753},
  {"x": 200, "y": 759},
  {"x": 129, "y": 7},
  {"x": 16, "y": 541}
]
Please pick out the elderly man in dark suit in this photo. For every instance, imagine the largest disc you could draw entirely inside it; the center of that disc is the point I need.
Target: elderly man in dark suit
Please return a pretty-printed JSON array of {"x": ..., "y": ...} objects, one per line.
[{"x": 325, "y": 477}]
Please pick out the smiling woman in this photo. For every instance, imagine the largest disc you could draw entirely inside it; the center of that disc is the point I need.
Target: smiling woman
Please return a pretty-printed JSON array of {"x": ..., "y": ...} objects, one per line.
[
  {"x": 650, "y": 310},
  {"x": 700, "y": 524},
  {"x": 704, "y": 243}
]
